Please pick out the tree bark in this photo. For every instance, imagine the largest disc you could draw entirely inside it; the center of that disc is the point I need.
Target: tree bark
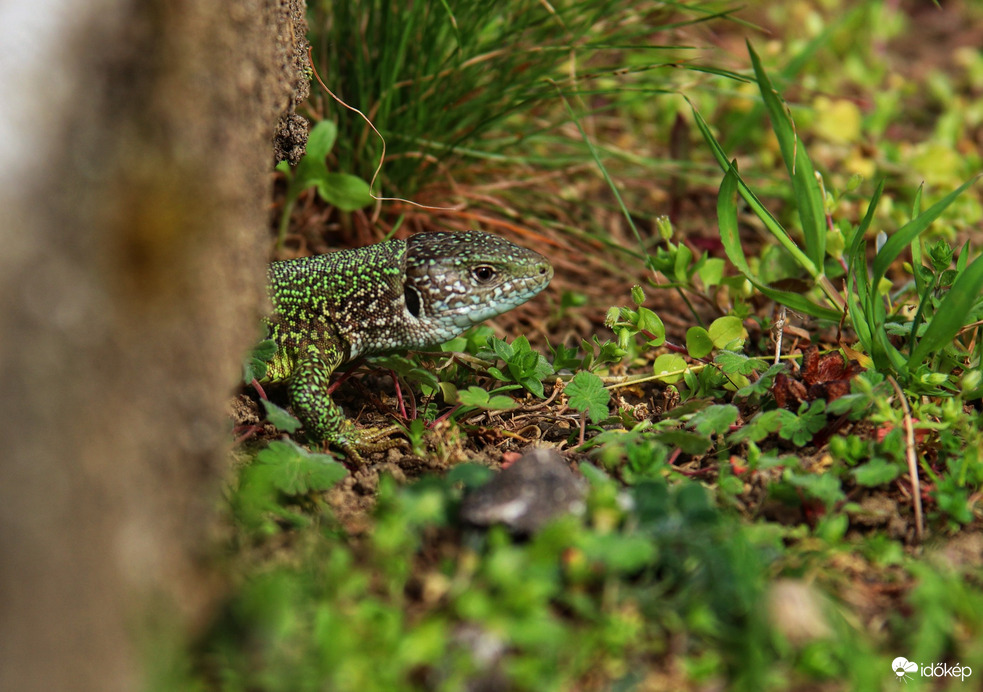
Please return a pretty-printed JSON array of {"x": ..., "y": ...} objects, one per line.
[{"x": 135, "y": 189}]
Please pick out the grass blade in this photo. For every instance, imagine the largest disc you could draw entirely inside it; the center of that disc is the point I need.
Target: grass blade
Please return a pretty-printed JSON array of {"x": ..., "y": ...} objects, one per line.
[
  {"x": 730, "y": 238},
  {"x": 808, "y": 194},
  {"x": 790, "y": 71},
  {"x": 858, "y": 238},
  {"x": 858, "y": 281},
  {"x": 911, "y": 230},
  {"x": 884, "y": 351},
  {"x": 951, "y": 315},
  {"x": 771, "y": 223}
]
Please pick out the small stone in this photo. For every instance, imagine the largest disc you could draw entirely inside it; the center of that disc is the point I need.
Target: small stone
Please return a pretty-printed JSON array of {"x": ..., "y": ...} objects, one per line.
[
  {"x": 528, "y": 494},
  {"x": 798, "y": 612}
]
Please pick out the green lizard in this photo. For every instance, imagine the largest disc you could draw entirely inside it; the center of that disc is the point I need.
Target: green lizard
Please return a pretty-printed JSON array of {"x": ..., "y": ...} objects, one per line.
[{"x": 397, "y": 295}]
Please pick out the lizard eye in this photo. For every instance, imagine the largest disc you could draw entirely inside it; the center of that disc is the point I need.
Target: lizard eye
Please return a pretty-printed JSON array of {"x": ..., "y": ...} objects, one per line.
[{"x": 483, "y": 273}]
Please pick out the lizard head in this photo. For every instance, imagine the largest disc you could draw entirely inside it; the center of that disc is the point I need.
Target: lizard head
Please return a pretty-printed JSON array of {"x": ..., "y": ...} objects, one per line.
[{"x": 457, "y": 280}]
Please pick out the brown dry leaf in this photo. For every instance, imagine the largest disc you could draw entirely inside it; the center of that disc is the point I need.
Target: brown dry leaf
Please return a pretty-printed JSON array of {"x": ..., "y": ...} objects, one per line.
[{"x": 825, "y": 376}]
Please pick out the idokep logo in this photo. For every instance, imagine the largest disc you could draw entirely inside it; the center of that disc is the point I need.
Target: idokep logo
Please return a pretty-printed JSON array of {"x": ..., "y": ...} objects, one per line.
[{"x": 905, "y": 669}]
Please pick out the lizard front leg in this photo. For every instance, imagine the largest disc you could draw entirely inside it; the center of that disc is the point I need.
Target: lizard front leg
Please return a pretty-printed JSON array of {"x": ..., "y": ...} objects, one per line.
[{"x": 323, "y": 420}]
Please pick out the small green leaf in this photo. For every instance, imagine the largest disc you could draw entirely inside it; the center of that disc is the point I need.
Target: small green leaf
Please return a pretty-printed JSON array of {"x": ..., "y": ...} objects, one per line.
[
  {"x": 478, "y": 397},
  {"x": 811, "y": 418},
  {"x": 321, "y": 139},
  {"x": 473, "y": 396},
  {"x": 524, "y": 365},
  {"x": 876, "y": 472},
  {"x": 472, "y": 341},
  {"x": 497, "y": 374},
  {"x": 736, "y": 363},
  {"x": 502, "y": 349},
  {"x": 279, "y": 417},
  {"x": 726, "y": 330},
  {"x": 610, "y": 353},
  {"x": 619, "y": 553},
  {"x": 587, "y": 393},
  {"x": 762, "y": 425},
  {"x": 568, "y": 358},
  {"x": 715, "y": 419},
  {"x": 953, "y": 499},
  {"x": 295, "y": 471},
  {"x": 963, "y": 258},
  {"x": 711, "y": 271},
  {"x": 762, "y": 385},
  {"x": 947, "y": 277},
  {"x": 312, "y": 167},
  {"x": 941, "y": 254},
  {"x": 698, "y": 342},
  {"x": 255, "y": 365},
  {"x": 347, "y": 192},
  {"x": 823, "y": 486},
  {"x": 681, "y": 263},
  {"x": 669, "y": 367},
  {"x": 684, "y": 440},
  {"x": 651, "y": 323}
]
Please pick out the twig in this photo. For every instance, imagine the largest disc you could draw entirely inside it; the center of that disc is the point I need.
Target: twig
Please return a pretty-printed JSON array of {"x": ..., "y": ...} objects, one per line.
[
  {"x": 912, "y": 456},
  {"x": 779, "y": 330}
]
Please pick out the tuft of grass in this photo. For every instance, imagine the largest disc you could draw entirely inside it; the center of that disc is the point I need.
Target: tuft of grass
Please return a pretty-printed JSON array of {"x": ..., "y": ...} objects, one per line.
[
  {"x": 463, "y": 76},
  {"x": 864, "y": 302}
]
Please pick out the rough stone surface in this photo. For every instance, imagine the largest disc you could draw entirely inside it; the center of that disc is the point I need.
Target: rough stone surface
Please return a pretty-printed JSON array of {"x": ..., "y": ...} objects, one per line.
[
  {"x": 535, "y": 489},
  {"x": 131, "y": 283}
]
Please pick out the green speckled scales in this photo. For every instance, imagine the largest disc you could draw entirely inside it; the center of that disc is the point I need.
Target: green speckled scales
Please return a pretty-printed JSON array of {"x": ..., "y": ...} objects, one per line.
[{"x": 392, "y": 296}]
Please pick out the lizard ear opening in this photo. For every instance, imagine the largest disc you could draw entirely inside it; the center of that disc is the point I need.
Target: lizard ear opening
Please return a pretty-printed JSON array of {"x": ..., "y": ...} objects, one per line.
[{"x": 412, "y": 297}]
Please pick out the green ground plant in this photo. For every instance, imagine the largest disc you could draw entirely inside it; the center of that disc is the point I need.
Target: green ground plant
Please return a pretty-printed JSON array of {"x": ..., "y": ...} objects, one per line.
[
  {"x": 864, "y": 302},
  {"x": 707, "y": 498},
  {"x": 588, "y": 592},
  {"x": 343, "y": 191}
]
